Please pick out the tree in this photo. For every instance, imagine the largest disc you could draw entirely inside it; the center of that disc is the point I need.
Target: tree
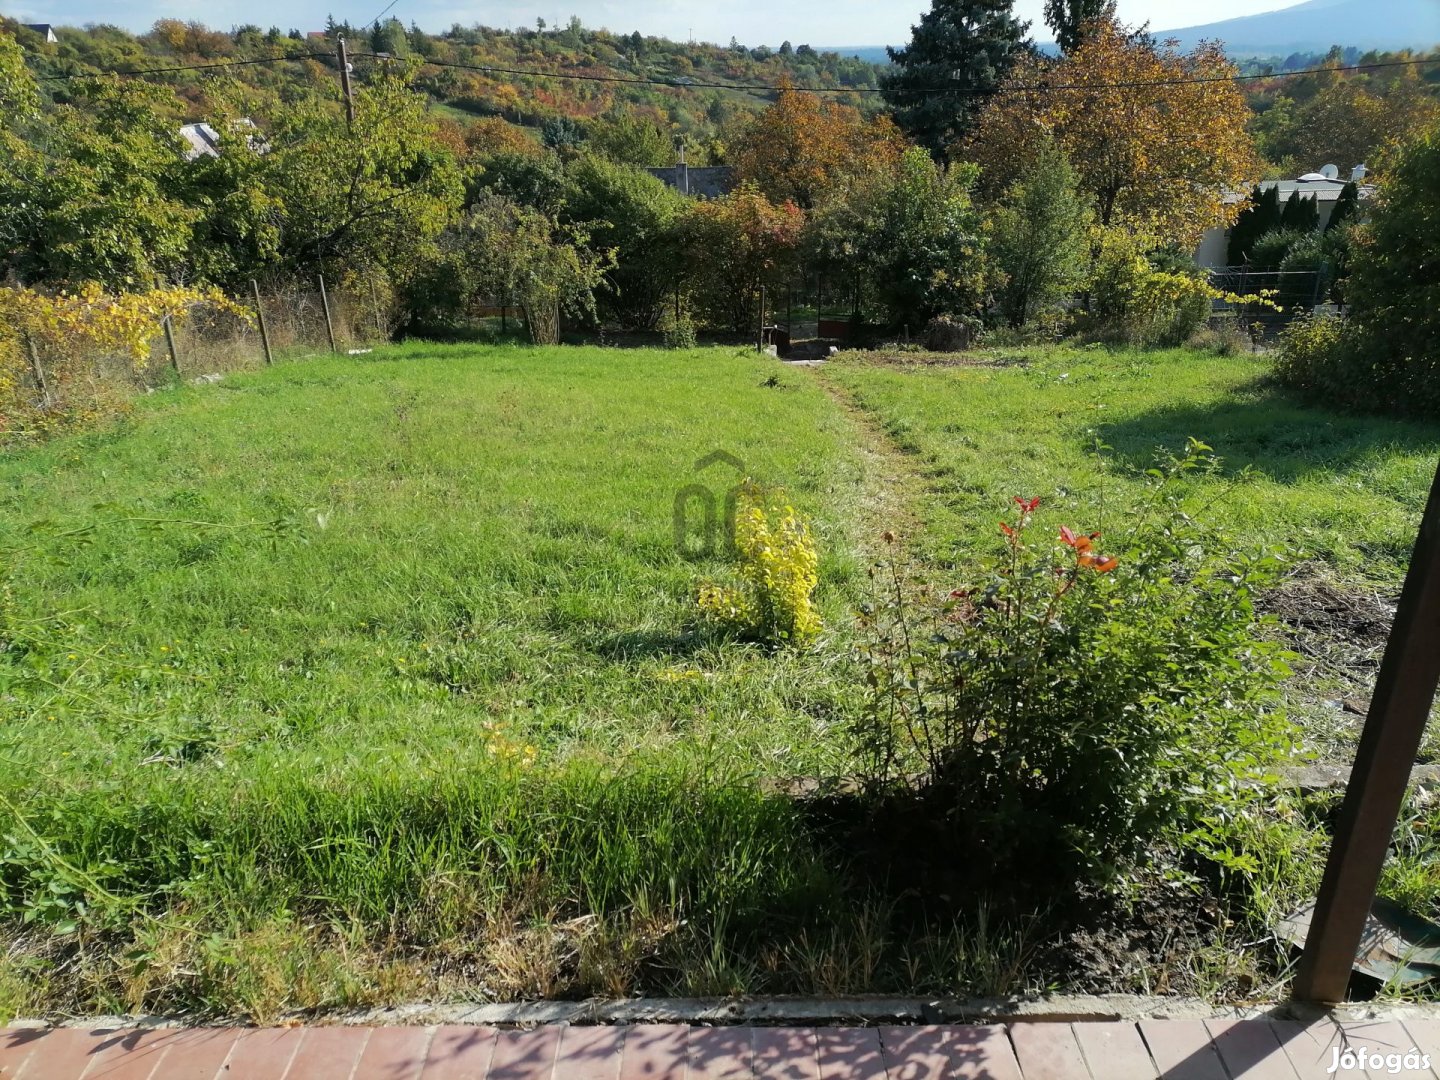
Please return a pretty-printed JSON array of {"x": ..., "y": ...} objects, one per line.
[
  {"x": 531, "y": 179},
  {"x": 19, "y": 163},
  {"x": 238, "y": 231},
  {"x": 1038, "y": 237},
  {"x": 1346, "y": 119},
  {"x": 629, "y": 139},
  {"x": 1068, "y": 19},
  {"x": 797, "y": 146},
  {"x": 561, "y": 133},
  {"x": 633, "y": 218},
  {"x": 925, "y": 247},
  {"x": 1300, "y": 215},
  {"x": 103, "y": 207},
  {"x": 1260, "y": 215},
  {"x": 734, "y": 245},
  {"x": 1164, "y": 158},
  {"x": 515, "y": 253},
  {"x": 1347, "y": 206},
  {"x": 967, "y": 46},
  {"x": 375, "y": 195},
  {"x": 389, "y": 37},
  {"x": 1393, "y": 291}
]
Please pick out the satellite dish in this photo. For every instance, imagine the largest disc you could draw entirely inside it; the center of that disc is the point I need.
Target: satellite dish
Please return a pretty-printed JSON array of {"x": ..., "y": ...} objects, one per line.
[{"x": 1330, "y": 172}]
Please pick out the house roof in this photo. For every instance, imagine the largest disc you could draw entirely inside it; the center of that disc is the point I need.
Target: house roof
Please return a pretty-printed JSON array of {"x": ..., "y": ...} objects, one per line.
[
  {"x": 204, "y": 141},
  {"x": 1322, "y": 190},
  {"x": 703, "y": 181}
]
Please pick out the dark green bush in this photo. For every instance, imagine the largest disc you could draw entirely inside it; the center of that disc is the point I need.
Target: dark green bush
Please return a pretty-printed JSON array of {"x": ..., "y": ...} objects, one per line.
[{"x": 1387, "y": 356}]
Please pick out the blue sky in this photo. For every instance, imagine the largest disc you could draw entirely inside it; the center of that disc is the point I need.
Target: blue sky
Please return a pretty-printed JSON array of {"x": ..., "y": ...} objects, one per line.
[{"x": 754, "y": 22}]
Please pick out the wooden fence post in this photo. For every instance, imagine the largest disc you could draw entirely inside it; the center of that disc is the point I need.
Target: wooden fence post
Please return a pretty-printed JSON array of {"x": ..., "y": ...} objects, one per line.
[
  {"x": 325, "y": 304},
  {"x": 1394, "y": 726},
  {"x": 170, "y": 344},
  {"x": 37, "y": 369},
  {"x": 260, "y": 318},
  {"x": 375, "y": 304}
]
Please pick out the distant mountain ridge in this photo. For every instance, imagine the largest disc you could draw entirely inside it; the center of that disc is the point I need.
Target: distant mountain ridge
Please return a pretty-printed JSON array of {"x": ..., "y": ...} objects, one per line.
[
  {"x": 1309, "y": 27},
  {"x": 1316, "y": 25}
]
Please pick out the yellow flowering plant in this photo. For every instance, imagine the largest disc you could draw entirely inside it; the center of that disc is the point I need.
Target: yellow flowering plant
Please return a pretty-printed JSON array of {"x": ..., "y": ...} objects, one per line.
[{"x": 778, "y": 567}]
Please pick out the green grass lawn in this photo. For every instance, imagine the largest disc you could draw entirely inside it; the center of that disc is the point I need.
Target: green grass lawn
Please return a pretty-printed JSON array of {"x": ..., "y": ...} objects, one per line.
[
  {"x": 359, "y": 680},
  {"x": 462, "y": 588}
]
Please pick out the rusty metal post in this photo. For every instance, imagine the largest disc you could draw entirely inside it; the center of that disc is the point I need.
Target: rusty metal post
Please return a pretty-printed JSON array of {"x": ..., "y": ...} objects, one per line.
[
  {"x": 1399, "y": 709},
  {"x": 260, "y": 319},
  {"x": 760, "y": 336},
  {"x": 325, "y": 306}
]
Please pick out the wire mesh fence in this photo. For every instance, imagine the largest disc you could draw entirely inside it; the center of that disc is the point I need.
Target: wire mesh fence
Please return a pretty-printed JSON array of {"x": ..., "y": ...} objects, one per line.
[{"x": 210, "y": 340}]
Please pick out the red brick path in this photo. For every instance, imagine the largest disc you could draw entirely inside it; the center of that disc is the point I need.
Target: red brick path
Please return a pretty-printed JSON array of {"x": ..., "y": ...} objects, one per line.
[{"x": 1172, "y": 1049}]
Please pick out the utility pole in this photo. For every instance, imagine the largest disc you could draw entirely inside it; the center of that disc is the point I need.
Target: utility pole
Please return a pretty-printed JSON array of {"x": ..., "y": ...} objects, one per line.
[{"x": 345, "y": 82}]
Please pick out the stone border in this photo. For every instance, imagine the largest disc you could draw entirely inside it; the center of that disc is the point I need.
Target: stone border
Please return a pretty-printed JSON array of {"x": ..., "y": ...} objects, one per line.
[{"x": 854, "y": 1011}]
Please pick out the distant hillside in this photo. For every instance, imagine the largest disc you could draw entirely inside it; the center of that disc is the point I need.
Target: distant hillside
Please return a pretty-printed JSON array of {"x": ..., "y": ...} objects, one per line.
[
  {"x": 694, "y": 89},
  {"x": 1316, "y": 25}
]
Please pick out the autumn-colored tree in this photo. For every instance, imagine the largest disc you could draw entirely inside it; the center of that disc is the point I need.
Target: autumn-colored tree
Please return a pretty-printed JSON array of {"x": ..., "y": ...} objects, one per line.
[
  {"x": 735, "y": 244},
  {"x": 1347, "y": 120},
  {"x": 1157, "y": 136},
  {"x": 493, "y": 136},
  {"x": 800, "y": 144}
]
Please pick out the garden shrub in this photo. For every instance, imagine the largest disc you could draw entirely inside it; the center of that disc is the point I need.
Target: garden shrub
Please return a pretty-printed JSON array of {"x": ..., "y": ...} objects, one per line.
[
  {"x": 1388, "y": 357},
  {"x": 951, "y": 333},
  {"x": 778, "y": 565},
  {"x": 1317, "y": 356},
  {"x": 69, "y": 357},
  {"x": 680, "y": 332},
  {"x": 1132, "y": 301},
  {"x": 1078, "y": 698}
]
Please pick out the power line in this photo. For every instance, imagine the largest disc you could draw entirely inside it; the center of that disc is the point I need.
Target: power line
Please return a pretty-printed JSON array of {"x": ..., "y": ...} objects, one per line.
[{"x": 375, "y": 21}]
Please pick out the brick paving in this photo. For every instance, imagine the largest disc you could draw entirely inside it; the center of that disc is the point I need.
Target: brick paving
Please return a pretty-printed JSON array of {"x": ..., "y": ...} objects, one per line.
[{"x": 1150, "y": 1049}]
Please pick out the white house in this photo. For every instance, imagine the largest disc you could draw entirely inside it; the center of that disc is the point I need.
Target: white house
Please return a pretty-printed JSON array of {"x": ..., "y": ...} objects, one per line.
[{"x": 1323, "y": 186}]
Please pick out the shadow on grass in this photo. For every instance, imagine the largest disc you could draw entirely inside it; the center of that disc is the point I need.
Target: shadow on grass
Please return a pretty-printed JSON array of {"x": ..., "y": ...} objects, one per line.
[
  {"x": 1271, "y": 431},
  {"x": 658, "y": 643}
]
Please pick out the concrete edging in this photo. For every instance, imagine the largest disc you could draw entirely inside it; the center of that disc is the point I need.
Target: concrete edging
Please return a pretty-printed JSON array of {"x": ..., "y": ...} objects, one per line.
[{"x": 1058, "y": 1008}]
